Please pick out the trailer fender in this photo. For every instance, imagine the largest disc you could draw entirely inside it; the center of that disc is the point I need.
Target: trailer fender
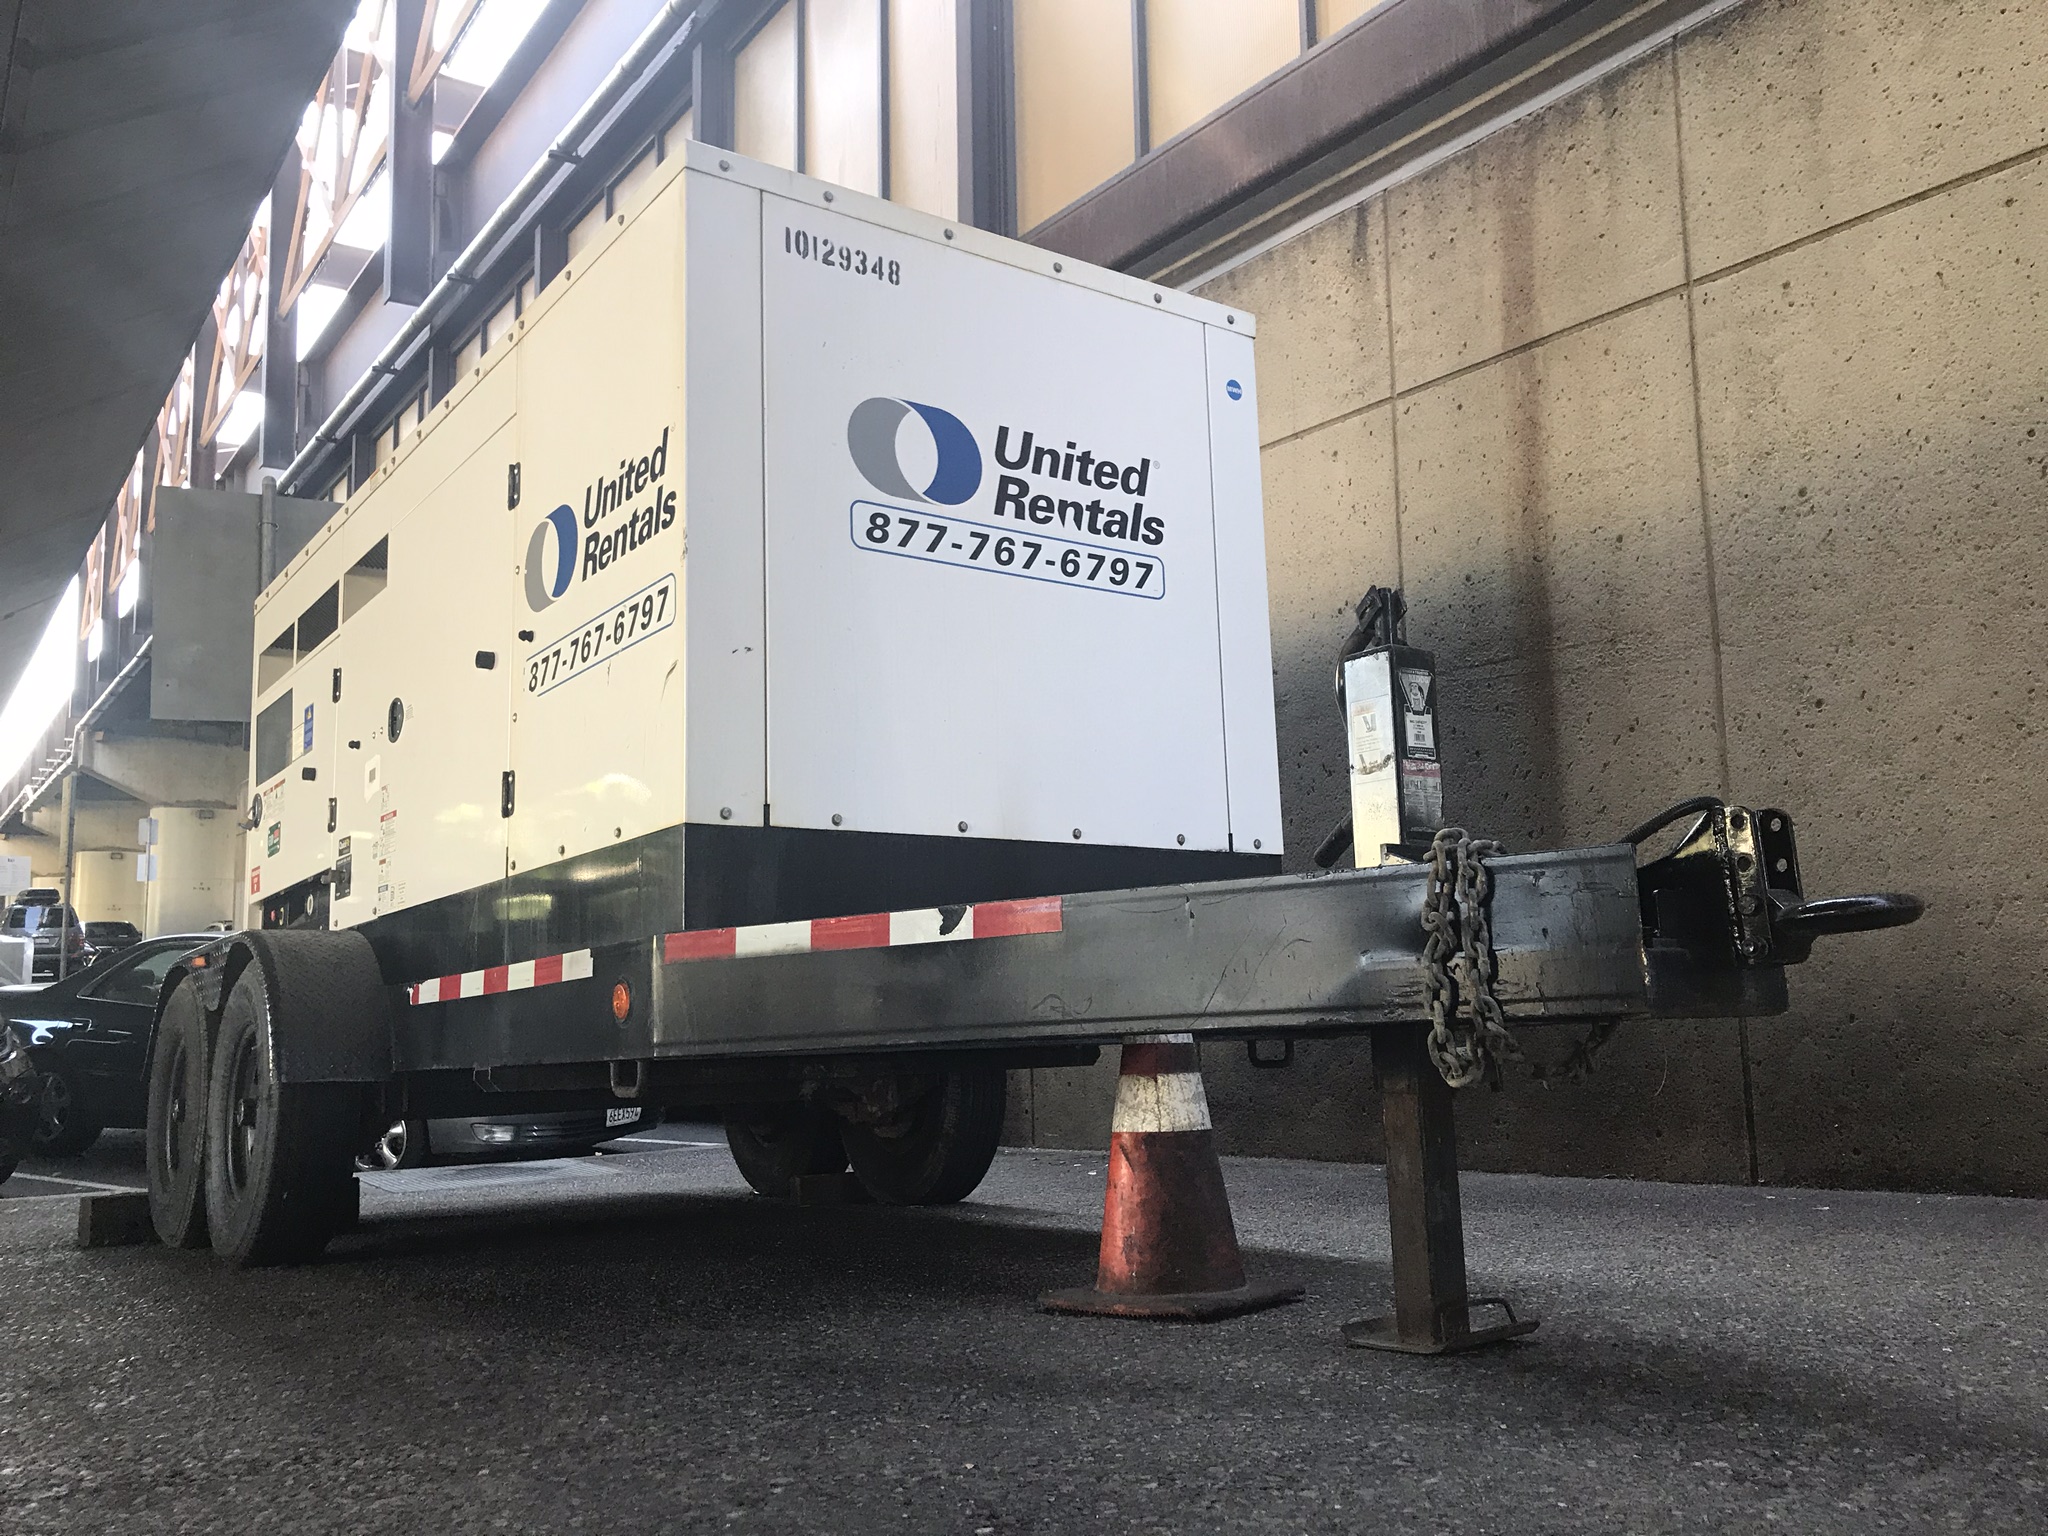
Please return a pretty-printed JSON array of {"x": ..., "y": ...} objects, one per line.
[
  {"x": 211, "y": 970},
  {"x": 330, "y": 1013}
]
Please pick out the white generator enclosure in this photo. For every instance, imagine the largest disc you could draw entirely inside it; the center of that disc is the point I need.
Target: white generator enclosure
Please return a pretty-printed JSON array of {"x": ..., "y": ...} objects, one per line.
[{"x": 798, "y": 553}]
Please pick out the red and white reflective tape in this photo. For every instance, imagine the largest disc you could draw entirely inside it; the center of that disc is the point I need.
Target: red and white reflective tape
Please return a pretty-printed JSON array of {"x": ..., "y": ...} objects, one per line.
[
  {"x": 880, "y": 930},
  {"x": 877, "y": 930},
  {"x": 546, "y": 971}
]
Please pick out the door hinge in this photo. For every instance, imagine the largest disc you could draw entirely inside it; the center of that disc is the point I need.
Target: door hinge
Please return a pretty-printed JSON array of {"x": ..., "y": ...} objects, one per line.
[
  {"x": 505, "y": 795},
  {"x": 511, "y": 486},
  {"x": 332, "y": 808},
  {"x": 337, "y": 685}
]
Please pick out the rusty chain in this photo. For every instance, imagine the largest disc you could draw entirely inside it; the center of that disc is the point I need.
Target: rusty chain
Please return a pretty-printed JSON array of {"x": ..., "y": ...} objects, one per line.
[
  {"x": 1459, "y": 962},
  {"x": 1457, "y": 957}
]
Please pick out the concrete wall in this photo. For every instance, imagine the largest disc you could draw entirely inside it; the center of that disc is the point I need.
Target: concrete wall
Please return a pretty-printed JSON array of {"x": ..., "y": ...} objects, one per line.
[{"x": 1704, "y": 418}]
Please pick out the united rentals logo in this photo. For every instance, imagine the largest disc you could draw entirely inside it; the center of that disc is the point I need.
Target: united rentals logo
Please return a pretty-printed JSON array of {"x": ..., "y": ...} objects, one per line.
[
  {"x": 543, "y": 586},
  {"x": 634, "y": 495},
  {"x": 1051, "y": 485},
  {"x": 871, "y": 437}
]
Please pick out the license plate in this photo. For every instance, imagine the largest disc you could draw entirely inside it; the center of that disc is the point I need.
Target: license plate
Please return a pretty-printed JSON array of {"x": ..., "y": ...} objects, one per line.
[{"x": 614, "y": 1117}]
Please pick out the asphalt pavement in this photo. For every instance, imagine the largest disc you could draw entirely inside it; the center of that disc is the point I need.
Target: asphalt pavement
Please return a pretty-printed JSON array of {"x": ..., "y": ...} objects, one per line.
[{"x": 634, "y": 1343}]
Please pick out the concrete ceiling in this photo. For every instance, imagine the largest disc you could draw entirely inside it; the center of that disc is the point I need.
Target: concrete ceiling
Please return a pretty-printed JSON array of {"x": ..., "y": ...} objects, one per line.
[{"x": 136, "y": 139}]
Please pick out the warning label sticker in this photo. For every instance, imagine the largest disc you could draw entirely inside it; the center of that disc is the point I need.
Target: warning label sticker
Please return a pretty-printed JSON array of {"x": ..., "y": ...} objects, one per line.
[
  {"x": 1418, "y": 711},
  {"x": 1422, "y": 794}
]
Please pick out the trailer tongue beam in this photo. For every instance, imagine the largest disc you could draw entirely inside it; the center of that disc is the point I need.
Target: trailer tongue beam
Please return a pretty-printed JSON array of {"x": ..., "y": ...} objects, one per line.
[{"x": 1291, "y": 955}]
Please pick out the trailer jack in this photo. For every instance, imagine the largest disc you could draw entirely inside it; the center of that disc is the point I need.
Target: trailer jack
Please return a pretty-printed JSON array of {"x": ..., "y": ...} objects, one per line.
[{"x": 1723, "y": 914}]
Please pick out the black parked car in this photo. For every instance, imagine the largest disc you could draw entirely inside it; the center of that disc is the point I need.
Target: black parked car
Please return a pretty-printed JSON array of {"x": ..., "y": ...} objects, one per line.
[
  {"x": 88, "y": 1035},
  {"x": 19, "y": 1096},
  {"x": 111, "y": 937}
]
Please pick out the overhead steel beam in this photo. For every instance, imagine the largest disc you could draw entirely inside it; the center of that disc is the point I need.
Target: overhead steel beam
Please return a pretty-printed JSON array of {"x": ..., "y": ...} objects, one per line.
[
  {"x": 409, "y": 160},
  {"x": 119, "y": 116}
]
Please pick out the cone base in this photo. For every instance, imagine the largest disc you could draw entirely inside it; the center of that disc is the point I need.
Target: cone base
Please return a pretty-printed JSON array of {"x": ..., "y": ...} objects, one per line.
[{"x": 1172, "y": 1307}]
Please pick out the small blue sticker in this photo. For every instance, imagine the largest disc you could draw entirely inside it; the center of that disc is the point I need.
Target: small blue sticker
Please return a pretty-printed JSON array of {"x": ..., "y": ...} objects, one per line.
[
  {"x": 1233, "y": 389},
  {"x": 308, "y": 744}
]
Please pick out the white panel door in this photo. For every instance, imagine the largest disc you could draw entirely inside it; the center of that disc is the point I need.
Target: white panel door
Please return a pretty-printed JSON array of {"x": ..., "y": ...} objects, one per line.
[
  {"x": 597, "y": 546},
  {"x": 421, "y": 792},
  {"x": 991, "y": 583}
]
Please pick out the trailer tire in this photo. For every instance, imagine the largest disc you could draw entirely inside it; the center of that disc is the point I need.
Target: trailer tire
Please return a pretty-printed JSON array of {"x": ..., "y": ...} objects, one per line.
[
  {"x": 174, "y": 1120},
  {"x": 279, "y": 1156},
  {"x": 775, "y": 1144},
  {"x": 939, "y": 1149}
]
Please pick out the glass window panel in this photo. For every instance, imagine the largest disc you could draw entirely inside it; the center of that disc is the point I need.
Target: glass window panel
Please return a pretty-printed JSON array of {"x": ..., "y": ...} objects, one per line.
[
  {"x": 581, "y": 233},
  {"x": 764, "y": 93},
  {"x": 409, "y": 418},
  {"x": 1334, "y": 14},
  {"x": 1200, "y": 53},
  {"x": 630, "y": 190},
  {"x": 498, "y": 329},
  {"x": 138, "y": 981},
  {"x": 1073, "y": 100},
  {"x": 924, "y": 125},
  {"x": 843, "y": 92}
]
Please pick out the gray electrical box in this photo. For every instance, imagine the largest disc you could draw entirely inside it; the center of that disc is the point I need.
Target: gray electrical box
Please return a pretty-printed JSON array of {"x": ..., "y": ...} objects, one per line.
[{"x": 1397, "y": 786}]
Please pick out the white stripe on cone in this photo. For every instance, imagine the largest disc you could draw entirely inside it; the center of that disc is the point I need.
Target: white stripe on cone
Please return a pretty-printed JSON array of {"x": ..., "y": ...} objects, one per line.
[{"x": 1172, "y": 1101}]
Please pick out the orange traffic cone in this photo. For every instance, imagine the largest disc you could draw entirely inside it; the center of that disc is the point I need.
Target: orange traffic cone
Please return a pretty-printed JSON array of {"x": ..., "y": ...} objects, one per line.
[{"x": 1169, "y": 1248}]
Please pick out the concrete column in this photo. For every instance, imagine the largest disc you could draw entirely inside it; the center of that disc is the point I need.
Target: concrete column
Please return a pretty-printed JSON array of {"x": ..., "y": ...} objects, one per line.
[{"x": 199, "y": 861}]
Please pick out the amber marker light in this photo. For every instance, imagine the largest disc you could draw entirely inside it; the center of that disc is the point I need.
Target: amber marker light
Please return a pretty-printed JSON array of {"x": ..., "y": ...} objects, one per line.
[{"x": 622, "y": 1001}]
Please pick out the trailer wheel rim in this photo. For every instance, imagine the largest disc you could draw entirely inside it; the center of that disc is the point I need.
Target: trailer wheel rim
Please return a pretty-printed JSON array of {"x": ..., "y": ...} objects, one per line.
[
  {"x": 242, "y": 1113},
  {"x": 175, "y": 1109}
]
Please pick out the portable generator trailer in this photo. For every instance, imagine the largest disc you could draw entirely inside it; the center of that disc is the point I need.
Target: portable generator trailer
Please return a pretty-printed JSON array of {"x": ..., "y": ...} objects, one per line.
[{"x": 817, "y": 662}]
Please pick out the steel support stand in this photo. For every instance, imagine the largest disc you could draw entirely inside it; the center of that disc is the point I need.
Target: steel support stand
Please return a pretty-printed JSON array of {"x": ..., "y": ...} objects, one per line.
[{"x": 1432, "y": 1312}]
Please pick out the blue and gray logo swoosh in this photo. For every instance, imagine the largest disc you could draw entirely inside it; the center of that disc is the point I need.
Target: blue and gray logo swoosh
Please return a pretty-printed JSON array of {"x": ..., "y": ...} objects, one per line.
[
  {"x": 871, "y": 439},
  {"x": 543, "y": 587}
]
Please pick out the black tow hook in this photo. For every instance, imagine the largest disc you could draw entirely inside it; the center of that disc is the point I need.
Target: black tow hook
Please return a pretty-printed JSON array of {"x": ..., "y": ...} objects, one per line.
[{"x": 1796, "y": 924}]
